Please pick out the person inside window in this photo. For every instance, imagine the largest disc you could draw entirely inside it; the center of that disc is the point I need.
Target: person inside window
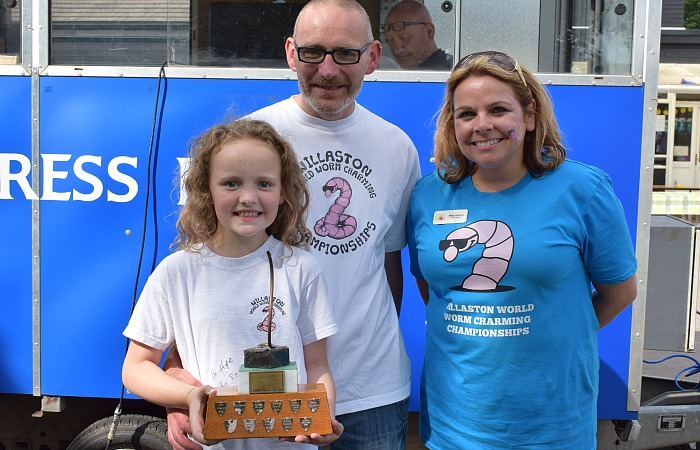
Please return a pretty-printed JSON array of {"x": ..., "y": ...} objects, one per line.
[{"x": 410, "y": 33}]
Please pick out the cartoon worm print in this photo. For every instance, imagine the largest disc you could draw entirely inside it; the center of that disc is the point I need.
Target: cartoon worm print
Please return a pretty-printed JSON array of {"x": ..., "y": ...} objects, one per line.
[
  {"x": 264, "y": 325},
  {"x": 498, "y": 249},
  {"x": 335, "y": 224}
]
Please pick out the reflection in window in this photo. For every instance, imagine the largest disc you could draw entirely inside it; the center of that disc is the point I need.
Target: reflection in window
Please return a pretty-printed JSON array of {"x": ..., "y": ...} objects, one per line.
[
  {"x": 661, "y": 130},
  {"x": 179, "y": 32},
  {"x": 591, "y": 37},
  {"x": 414, "y": 39},
  {"x": 244, "y": 34},
  {"x": 10, "y": 28},
  {"x": 682, "y": 134},
  {"x": 555, "y": 36},
  {"x": 119, "y": 33},
  {"x": 661, "y": 145}
]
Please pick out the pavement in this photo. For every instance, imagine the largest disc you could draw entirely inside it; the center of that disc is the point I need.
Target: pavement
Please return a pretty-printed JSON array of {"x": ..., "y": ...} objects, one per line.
[
  {"x": 661, "y": 377},
  {"x": 678, "y": 361},
  {"x": 413, "y": 441}
]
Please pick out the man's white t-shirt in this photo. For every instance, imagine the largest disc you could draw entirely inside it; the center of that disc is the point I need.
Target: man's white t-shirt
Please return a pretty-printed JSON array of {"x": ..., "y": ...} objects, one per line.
[{"x": 361, "y": 171}]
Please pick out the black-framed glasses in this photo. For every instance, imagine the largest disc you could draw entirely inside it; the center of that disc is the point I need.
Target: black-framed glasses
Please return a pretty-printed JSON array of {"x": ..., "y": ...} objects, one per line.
[
  {"x": 498, "y": 59},
  {"x": 398, "y": 26},
  {"x": 342, "y": 56}
]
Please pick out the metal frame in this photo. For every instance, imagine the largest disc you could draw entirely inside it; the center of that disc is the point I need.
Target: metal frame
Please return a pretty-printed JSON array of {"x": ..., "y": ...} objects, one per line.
[
  {"x": 30, "y": 21},
  {"x": 649, "y": 55},
  {"x": 407, "y": 76}
]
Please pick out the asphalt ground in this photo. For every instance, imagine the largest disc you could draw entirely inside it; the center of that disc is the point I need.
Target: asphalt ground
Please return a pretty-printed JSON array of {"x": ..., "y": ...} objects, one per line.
[
  {"x": 671, "y": 369},
  {"x": 413, "y": 441}
]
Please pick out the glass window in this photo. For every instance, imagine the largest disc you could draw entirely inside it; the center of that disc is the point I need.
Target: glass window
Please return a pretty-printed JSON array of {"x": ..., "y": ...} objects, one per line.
[
  {"x": 417, "y": 35},
  {"x": 594, "y": 37},
  {"x": 682, "y": 134},
  {"x": 661, "y": 131},
  {"x": 227, "y": 33},
  {"x": 553, "y": 36},
  {"x": 548, "y": 36},
  {"x": 242, "y": 34},
  {"x": 10, "y": 28},
  {"x": 661, "y": 145},
  {"x": 120, "y": 33},
  {"x": 179, "y": 32}
]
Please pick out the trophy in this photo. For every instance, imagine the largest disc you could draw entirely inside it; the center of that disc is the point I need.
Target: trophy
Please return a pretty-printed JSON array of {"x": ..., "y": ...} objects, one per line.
[{"x": 268, "y": 401}]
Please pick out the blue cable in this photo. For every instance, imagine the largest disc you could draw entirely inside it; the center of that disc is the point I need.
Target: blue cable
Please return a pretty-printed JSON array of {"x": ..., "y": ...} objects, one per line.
[{"x": 688, "y": 371}]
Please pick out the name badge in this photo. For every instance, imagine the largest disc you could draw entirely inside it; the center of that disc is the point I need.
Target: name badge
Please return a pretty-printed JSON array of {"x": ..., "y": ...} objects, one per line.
[{"x": 452, "y": 216}]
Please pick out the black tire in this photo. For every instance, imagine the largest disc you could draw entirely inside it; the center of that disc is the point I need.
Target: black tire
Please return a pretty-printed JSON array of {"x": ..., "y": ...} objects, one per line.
[{"x": 134, "y": 432}]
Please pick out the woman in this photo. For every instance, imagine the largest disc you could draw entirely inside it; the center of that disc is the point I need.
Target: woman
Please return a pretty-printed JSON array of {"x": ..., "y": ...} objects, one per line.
[{"x": 505, "y": 238}]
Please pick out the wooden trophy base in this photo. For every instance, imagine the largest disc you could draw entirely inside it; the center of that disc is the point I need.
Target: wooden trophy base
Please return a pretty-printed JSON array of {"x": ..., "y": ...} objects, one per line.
[{"x": 230, "y": 415}]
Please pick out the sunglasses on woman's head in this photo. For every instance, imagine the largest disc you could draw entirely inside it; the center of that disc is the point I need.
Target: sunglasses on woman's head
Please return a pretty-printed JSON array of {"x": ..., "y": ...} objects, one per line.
[{"x": 498, "y": 59}]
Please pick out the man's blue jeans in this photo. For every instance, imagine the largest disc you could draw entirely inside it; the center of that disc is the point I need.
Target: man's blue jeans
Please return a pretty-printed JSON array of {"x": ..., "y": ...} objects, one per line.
[{"x": 381, "y": 428}]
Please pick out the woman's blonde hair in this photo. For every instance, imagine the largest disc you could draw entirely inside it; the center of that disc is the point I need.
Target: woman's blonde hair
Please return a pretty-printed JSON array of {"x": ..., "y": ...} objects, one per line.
[
  {"x": 543, "y": 149},
  {"x": 198, "y": 222}
]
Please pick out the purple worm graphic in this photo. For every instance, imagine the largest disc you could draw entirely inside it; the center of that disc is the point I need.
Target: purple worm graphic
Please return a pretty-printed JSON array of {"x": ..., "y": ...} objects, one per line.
[
  {"x": 498, "y": 249},
  {"x": 335, "y": 224}
]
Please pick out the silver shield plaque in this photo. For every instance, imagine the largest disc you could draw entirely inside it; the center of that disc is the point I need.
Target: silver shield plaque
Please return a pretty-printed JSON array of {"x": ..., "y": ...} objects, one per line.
[
  {"x": 314, "y": 403},
  {"x": 268, "y": 423},
  {"x": 276, "y": 405},
  {"x": 239, "y": 406},
  {"x": 230, "y": 424},
  {"x": 295, "y": 404},
  {"x": 220, "y": 408},
  {"x": 258, "y": 406},
  {"x": 305, "y": 423},
  {"x": 287, "y": 423},
  {"x": 249, "y": 425}
]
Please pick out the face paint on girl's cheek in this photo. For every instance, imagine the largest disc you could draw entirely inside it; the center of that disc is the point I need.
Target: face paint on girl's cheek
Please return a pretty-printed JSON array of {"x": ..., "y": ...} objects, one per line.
[{"x": 513, "y": 134}]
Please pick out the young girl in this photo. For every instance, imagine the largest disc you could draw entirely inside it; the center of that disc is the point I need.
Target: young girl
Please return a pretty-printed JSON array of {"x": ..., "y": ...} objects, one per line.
[{"x": 246, "y": 196}]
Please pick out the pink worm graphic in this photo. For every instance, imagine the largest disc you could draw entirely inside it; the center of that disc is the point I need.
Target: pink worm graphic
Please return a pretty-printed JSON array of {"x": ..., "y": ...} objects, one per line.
[
  {"x": 498, "y": 249},
  {"x": 264, "y": 325},
  {"x": 335, "y": 224}
]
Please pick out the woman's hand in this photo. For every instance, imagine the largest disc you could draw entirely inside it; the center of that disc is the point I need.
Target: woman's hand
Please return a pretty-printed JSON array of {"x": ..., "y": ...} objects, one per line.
[{"x": 196, "y": 403}]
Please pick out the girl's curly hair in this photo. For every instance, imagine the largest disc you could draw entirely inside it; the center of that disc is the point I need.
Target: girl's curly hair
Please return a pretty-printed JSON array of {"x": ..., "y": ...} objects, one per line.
[{"x": 198, "y": 222}]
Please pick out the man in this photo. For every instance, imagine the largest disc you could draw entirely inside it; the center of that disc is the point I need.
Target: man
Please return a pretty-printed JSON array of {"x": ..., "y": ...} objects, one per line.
[
  {"x": 410, "y": 33},
  {"x": 361, "y": 170}
]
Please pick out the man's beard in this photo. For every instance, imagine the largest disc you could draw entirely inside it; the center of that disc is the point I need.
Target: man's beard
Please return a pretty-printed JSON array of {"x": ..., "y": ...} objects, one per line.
[{"x": 326, "y": 107}]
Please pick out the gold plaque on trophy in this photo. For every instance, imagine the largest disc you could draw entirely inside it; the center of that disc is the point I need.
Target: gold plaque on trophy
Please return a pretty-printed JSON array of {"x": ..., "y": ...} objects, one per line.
[
  {"x": 230, "y": 415},
  {"x": 265, "y": 382}
]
